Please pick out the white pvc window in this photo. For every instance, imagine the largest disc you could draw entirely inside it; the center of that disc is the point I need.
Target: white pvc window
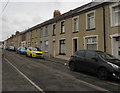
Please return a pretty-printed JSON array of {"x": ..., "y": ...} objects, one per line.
[
  {"x": 46, "y": 45},
  {"x": 91, "y": 43},
  {"x": 90, "y": 20},
  {"x": 116, "y": 15},
  {"x": 75, "y": 23},
  {"x": 63, "y": 27}
]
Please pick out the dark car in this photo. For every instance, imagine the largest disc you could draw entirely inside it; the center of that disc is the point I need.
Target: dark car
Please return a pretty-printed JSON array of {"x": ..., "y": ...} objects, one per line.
[
  {"x": 11, "y": 48},
  {"x": 21, "y": 50},
  {"x": 97, "y": 62}
]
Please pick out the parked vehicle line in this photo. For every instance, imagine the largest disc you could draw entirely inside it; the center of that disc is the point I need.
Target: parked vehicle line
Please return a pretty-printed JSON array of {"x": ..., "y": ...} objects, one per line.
[{"x": 85, "y": 83}]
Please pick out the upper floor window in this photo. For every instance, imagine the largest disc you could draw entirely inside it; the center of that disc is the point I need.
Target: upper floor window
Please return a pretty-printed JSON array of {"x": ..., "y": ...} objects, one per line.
[
  {"x": 115, "y": 15},
  {"x": 75, "y": 25},
  {"x": 46, "y": 31},
  {"x": 41, "y": 32},
  {"x": 54, "y": 30},
  {"x": 63, "y": 27},
  {"x": 90, "y": 20}
]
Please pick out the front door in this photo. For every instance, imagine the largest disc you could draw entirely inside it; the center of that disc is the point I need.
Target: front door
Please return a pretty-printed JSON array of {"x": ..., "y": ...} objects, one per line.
[
  {"x": 75, "y": 44},
  {"x": 116, "y": 46}
]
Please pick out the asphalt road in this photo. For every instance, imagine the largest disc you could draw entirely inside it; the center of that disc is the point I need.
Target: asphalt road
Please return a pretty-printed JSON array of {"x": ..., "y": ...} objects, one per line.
[{"x": 21, "y": 73}]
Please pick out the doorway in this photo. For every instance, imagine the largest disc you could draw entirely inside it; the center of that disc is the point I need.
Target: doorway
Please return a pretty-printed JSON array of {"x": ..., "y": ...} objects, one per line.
[{"x": 75, "y": 45}]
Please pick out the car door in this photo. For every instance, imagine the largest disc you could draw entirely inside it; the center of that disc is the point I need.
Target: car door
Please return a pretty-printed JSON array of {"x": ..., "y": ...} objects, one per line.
[
  {"x": 91, "y": 61},
  {"x": 28, "y": 52},
  {"x": 80, "y": 58}
]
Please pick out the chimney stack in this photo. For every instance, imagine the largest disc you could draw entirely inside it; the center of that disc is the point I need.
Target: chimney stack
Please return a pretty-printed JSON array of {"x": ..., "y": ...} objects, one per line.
[
  {"x": 56, "y": 13},
  {"x": 17, "y": 32}
]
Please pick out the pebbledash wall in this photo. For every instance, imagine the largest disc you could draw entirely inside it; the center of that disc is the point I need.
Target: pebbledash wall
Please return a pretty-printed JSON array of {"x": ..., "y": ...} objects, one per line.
[{"x": 94, "y": 26}]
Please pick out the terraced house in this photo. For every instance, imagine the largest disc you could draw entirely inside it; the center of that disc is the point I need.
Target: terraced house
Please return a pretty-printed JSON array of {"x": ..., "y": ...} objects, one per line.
[{"x": 94, "y": 26}]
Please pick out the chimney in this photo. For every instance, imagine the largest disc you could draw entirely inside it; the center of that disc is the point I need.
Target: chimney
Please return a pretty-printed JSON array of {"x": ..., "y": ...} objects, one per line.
[
  {"x": 56, "y": 13},
  {"x": 17, "y": 32}
]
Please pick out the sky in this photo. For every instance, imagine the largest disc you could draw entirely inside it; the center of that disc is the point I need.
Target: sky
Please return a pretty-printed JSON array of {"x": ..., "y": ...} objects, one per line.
[{"x": 18, "y": 15}]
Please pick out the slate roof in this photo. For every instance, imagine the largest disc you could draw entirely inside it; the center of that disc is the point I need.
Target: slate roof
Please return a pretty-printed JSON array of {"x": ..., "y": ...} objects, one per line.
[{"x": 71, "y": 13}]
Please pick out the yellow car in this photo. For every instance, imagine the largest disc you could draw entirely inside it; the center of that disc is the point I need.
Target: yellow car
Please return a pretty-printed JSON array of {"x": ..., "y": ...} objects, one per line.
[{"x": 34, "y": 52}]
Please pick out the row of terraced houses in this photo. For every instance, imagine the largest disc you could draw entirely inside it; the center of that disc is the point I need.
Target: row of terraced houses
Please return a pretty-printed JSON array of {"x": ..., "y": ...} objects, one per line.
[{"x": 93, "y": 26}]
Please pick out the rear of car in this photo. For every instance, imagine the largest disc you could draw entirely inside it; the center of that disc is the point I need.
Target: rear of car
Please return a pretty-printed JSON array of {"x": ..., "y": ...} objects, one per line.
[{"x": 96, "y": 62}]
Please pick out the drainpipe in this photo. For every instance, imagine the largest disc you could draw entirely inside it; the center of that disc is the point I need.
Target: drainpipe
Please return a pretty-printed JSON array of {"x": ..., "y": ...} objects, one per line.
[{"x": 104, "y": 29}]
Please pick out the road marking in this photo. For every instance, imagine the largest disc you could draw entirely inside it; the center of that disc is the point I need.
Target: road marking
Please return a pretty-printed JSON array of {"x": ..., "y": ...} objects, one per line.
[{"x": 36, "y": 86}]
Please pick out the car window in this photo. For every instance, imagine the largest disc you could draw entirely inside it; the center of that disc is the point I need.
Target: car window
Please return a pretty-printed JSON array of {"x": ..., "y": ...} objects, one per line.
[
  {"x": 80, "y": 53},
  {"x": 34, "y": 49},
  {"x": 90, "y": 54},
  {"x": 106, "y": 55}
]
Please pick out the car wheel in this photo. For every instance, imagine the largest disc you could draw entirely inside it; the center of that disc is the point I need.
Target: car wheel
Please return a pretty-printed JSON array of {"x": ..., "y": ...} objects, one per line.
[
  {"x": 72, "y": 66},
  {"x": 102, "y": 74}
]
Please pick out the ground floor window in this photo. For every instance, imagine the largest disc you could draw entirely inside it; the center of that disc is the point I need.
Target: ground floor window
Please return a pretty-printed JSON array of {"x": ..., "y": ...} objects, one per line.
[
  {"x": 91, "y": 43},
  {"x": 46, "y": 46},
  {"x": 62, "y": 47}
]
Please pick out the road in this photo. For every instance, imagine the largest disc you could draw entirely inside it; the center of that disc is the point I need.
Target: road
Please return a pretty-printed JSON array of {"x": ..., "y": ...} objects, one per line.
[{"x": 21, "y": 73}]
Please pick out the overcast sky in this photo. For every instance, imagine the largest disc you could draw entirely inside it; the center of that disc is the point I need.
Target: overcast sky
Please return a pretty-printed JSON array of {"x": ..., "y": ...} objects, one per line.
[{"x": 18, "y": 16}]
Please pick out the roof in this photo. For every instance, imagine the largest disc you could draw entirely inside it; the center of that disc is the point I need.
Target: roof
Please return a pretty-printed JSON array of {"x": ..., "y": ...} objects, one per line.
[{"x": 70, "y": 13}]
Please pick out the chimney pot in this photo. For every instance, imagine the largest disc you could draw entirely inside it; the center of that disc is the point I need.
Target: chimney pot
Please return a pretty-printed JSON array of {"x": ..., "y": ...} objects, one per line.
[{"x": 56, "y": 13}]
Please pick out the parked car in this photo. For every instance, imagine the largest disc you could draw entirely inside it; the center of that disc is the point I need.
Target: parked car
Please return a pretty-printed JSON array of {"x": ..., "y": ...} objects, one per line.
[
  {"x": 21, "y": 50},
  {"x": 34, "y": 52},
  {"x": 11, "y": 48},
  {"x": 97, "y": 62}
]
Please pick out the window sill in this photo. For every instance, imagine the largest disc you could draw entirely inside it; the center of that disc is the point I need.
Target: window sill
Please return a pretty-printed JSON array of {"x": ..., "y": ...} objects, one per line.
[
  {"x": 54, "y": 35},
  {"x": 62, "y": 33},
  {"x": 62, "y": 54},
  {"x": 75, "y": 32},
  {"x": 90, "y": 29}
]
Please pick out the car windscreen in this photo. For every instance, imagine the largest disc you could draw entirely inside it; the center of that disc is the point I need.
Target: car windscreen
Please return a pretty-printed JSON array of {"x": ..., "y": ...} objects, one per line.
[
  {"x": 34, "y": 49},
  {"x": 106, "y": 56},
  {"x": 23, "y": 48},
  {"x": 12, "y": 47}
]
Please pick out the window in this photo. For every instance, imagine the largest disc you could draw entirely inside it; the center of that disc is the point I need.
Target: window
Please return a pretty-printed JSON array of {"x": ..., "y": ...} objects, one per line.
[
  {"x": 118, "y": 38},
  {"x": 63, "y": 27},
  {"x": 46, "y": 31},
  {"x": 46, "y": 46},
  {"x": 41, "y": 32},
  {"x": 116, "y": 15},
  {"x": 62, "y": 47},
  {"x": 90, "y": 21},
  {"x": 91, "y": 43},
  {"x": 40, "y": 45},
  {"x": 54, "y": 30},
  {"x": 75, "y": 25}
]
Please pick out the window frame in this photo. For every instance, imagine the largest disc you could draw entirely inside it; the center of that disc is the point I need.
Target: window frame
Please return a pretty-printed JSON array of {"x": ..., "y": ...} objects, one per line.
[
  {"x": 91, "y": 36},
  {"x": 46, "y": 45},
  {"x": 54, "y": 29},
  {"x": 77, "y": 24},
  {"x": 60, "y": 47},
  {"x": 62, "y": 27},
  {"x": 87, "y": 20},
  {"x": 112, "y": 15}
]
